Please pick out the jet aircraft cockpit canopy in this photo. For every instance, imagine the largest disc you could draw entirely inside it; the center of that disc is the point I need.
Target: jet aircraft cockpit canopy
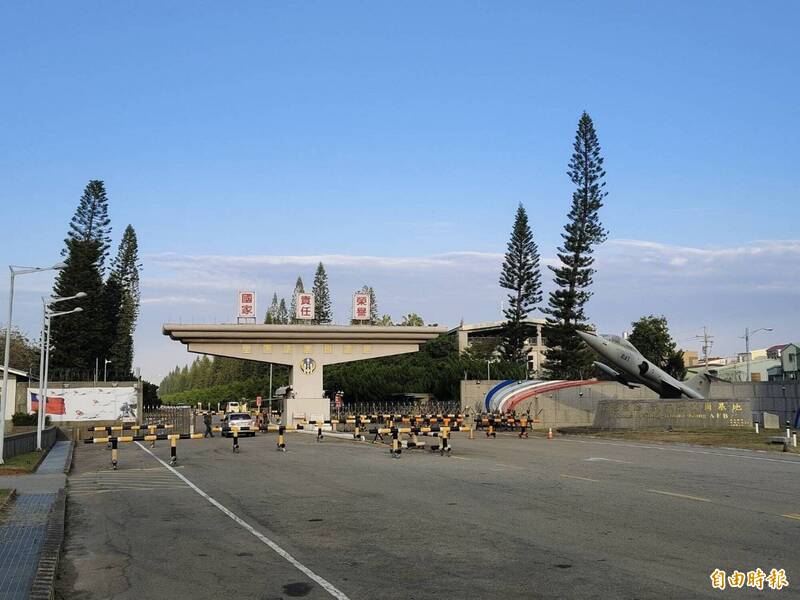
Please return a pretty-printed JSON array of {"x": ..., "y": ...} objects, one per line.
[{"x": 617, "y": 339}]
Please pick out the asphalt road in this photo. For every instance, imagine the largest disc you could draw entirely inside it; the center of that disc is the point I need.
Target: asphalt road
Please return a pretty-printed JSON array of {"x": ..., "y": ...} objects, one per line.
[{"x": 501, "y": 518}]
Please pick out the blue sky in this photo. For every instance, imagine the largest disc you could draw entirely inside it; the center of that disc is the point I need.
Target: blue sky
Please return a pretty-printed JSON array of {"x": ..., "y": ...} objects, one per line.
[{"x": 244, "y": 141}]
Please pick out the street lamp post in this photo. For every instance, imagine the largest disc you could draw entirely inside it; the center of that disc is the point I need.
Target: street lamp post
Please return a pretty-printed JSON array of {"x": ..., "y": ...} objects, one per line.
[
  {"x": 44, "y": 365},
  {"x": 105, "y": 368},
  {"x": 14, "y": 272},
  {"x": 747, "y": 334}
]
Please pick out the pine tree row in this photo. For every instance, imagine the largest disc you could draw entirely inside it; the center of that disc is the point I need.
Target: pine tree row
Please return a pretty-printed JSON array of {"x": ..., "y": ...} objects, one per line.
[
  {"x": 566, "y": 356},
  {"x": 103, "y": 331}
]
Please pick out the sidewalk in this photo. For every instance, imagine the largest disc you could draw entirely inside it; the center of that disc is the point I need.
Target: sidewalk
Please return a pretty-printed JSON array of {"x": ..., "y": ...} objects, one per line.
[{"x": 32, "y": 525}]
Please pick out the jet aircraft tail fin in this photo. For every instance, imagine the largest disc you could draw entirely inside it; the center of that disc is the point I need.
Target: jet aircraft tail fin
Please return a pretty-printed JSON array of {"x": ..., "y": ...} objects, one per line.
[{"x": 701, "y": 383}]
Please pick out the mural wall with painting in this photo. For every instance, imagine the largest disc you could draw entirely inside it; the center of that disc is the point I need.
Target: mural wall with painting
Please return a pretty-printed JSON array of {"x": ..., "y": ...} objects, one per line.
[{"x": 88, "y": 404}]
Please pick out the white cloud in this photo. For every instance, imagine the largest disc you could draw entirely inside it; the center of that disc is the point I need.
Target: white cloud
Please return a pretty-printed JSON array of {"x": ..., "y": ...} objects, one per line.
[{"x": 726, "y": 288}]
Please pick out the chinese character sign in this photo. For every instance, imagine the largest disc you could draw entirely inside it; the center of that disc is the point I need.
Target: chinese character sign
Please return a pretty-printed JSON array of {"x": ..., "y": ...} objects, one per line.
[
  {"x": 247, "y": 305},
  {"x": 361, "y": 307},
  {"x": 305, "y": 306}
]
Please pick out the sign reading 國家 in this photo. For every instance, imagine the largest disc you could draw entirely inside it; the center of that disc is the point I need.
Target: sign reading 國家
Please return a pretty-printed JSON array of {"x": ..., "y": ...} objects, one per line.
[
  {"x": 361, "y": 307},
  {"x": 246, "y": 305},
  {"x": 305, "y": 306}
]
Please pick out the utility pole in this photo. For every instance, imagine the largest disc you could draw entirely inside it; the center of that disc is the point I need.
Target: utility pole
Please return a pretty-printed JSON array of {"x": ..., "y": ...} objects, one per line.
[
  {"x": 707, "y": 343},
  {"x": 747, "y": 334}
]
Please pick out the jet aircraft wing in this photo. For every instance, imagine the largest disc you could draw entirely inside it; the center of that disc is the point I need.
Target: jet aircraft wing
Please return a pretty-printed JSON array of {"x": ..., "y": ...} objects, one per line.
[{"x": 615, "y": 375}]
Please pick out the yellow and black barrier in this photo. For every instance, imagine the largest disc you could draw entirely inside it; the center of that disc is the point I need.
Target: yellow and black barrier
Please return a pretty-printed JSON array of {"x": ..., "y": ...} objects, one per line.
[
  {"x": 116, "y": 440},
  {"x": 110, "y": 428},
  {"x": 494, "y": 422}
]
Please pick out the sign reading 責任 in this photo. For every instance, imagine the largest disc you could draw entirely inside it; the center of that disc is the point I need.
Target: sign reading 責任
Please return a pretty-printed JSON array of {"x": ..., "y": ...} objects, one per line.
[{"x": 305, "y": 306}]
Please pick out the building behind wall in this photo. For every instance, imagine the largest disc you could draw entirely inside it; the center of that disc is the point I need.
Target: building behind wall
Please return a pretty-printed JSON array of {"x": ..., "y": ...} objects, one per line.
[
  {"x": 490, "y": 334},
  {"x": 786, "y": 367}
]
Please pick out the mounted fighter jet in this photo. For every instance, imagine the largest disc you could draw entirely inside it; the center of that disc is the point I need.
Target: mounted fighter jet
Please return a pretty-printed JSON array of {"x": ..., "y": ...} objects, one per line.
[{"x": 630, "y": 368}]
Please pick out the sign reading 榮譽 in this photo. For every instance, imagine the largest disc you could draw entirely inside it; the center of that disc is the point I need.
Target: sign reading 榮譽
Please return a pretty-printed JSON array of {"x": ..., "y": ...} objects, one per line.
[
  {"x": 305, "y": 306},
  {"x": 246, "y": 305},
  {"x": 361, "y": 307}
]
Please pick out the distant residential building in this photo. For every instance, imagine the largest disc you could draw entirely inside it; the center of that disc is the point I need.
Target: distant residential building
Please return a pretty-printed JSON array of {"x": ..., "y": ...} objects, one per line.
[
  {"x": 689, "y": 358},
  {"x": 776, "y": 351},
  {"x": 490, "y": 333},
  {"x": 787, "y": 366},
  {"x": 737, "y": 370}
]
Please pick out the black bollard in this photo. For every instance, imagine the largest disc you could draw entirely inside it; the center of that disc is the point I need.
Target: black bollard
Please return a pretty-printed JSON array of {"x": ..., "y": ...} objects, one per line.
[
  {"x": 114, "y": 453},
  {"x": 281, "y": 440},
  {"x": 173, "y": 449},
  {"x": 395, "y": 451}
]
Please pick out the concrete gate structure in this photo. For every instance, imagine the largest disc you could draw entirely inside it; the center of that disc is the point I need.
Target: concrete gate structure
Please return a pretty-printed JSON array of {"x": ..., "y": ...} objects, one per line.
[{"x": 306, "y": 349}]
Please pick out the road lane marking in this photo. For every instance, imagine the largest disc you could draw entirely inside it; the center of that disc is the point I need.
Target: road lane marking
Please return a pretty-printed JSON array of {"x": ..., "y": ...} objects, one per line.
[
  {"x": 685, "y": 496},
  {"x": 792, "y": 516},
  {"x": 788, "y": 461},
  {"x": 85, "y": 492},
  {"x": 324, "y": 583},
  {"x": 579, "y": 477},
  {"x": 596, "y": 458}
]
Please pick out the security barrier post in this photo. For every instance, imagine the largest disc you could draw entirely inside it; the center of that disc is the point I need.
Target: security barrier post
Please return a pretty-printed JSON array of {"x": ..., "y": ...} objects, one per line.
[
  {"x": 445, "y": 433},
  {"x": 356, "y": 433},
  {"x": 114, "y": 453},
  {"x": 395, "y": 443},
  {"x": 235, "y": 431},
  {"x": 152, "y": 430},
  {"x": 319, "y": 434},
  {"x": 281, "y": 441},
  {"x": 173, "y": 449}
]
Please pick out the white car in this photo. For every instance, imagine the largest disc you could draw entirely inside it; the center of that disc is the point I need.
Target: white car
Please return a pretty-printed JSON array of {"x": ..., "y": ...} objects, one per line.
[
  {"x": 232, "y": 407},
  {"x": 240, "y": 420}
]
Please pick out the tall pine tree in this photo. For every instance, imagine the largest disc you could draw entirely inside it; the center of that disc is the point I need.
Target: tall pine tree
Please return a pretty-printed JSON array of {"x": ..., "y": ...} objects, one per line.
[
  {"x": 298, "y": 289},
  {"x": 282, "y": 316},
  {"x": 80, "y": 338},
  {"x": 83, "y": 338},
  {"x": 521, "y": 276},
  {"x": 272, "y": 312},
  {"x": 125, "y": 273},
  {"x": 567, "y": 357},
  {"x": 322, "y": 297},
  {"x": 90, "y": 221}
]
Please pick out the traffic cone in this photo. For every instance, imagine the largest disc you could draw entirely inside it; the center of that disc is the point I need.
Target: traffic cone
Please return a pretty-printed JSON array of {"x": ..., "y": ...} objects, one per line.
[{"x": 550, "y": 434}]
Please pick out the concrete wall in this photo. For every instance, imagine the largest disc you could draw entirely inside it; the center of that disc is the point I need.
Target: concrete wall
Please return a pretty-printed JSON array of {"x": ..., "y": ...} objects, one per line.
[
  {"x": 68, "y": 426},
  {"x": 577, "y": 406}
]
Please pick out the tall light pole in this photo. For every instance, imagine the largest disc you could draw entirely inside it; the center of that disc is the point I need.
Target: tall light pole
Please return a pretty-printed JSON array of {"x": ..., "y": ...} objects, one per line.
[
  {"x": 105, "y": 368},
  {"x": 747, "y": 334},
  {"x": 44, "y": 358},
  {"x": 14, "y": 272}
]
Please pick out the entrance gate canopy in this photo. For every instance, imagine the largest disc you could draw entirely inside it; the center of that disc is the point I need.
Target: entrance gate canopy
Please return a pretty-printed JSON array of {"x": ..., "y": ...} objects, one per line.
[{"x": 306, "y": 349}]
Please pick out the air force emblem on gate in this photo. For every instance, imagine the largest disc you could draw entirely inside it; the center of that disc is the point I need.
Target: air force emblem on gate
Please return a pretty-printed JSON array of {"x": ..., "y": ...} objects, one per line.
[{"x": 308, "y": 366}]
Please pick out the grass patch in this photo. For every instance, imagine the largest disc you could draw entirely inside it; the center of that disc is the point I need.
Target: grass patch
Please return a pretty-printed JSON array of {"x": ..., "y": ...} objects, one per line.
[
  {"x": 22, "y": 463},
  {"x": 730, "y": 438},
  {"x": 3, "y": 495}
]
